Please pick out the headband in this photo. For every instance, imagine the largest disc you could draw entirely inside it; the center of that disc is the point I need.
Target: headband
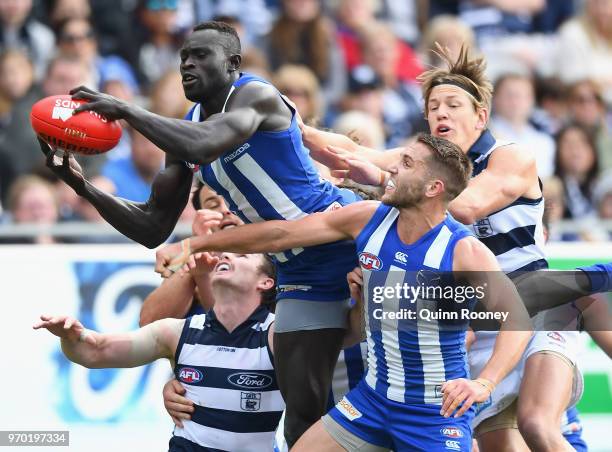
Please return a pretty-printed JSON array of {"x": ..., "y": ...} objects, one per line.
[{"x": 470, "y": 89}]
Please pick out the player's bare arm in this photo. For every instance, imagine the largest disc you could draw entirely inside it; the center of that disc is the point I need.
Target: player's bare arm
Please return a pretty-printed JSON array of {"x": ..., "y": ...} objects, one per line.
[
  {"x": 510, "y": 174},
  {"x": 98, "y": 350},
  {"x": 253, "y": 106},
  {"x": 172, "y": 299},
  {"x": 273, "y": 236},
  {"x": 148, "y": 223},
  {"x": 477, "y": 264}
]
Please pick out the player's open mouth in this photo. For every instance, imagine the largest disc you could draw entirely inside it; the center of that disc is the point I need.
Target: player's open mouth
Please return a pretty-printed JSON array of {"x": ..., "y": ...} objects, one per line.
[
  {"x": 390, "y": 185},
  {"x": 442, "y": 130},
  {"x": 228, "y": 225},
  {"x": 223, "y": 267},
  {"x": 188, "y": 79}
]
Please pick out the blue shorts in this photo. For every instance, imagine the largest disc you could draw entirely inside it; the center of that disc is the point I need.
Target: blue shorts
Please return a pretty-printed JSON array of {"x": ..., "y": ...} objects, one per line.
[{"x": 401, "y": 426}]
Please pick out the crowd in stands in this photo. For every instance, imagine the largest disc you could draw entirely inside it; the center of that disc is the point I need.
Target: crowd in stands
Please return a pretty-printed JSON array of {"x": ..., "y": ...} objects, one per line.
[{"x": 348, "y": 65}]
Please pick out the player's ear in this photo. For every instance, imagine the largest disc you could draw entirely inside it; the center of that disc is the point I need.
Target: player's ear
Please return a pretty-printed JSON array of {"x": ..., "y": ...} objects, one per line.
[
  {"x": 234, "y": 62},
  {"x": 434, "y": 188},
  {"x": 265, "y": 283},
  {"x": 483, "y": 118}
]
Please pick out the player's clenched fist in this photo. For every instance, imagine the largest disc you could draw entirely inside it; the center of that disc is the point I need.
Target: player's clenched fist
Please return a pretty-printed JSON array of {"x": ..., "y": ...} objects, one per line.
[
  {"x": 461, "y": 394},
  {"x": 171, "y": 258}
]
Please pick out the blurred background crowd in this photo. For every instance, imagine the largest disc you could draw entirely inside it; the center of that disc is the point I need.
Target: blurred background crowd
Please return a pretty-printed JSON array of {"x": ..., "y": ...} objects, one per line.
[{"x": 349, "y": 65}]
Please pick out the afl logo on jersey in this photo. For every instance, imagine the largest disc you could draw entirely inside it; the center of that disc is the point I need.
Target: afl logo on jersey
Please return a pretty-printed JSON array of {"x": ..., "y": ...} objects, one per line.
[
  {"x": 451, "y": 432},
  {"x": 251, "y": 380},
  {"x": 370, "y": 261},
  {"x": 190, "y": 375}
]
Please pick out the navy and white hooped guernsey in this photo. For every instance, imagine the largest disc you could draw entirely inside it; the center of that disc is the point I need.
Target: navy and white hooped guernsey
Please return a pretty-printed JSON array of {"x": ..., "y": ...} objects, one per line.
[
  {"x": 271, "y": 177},
  {"x": 409, "y": 364},
  {"x": 230, "y": 378},
  {"x": 515, "y": 233}
]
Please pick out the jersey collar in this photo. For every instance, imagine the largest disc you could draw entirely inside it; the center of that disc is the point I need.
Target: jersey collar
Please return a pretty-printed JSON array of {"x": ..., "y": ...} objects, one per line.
[
  {"x": 259, "y": 315},
  {"x": 483, "y": 144}
]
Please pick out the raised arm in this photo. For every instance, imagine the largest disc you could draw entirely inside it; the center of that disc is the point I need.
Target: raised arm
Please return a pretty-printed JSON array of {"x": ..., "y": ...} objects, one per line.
[
  {"x": 97, "y": 350},
  {"x": 148, "y": 223},
  {"x": 273, "y": 236},
  {"x": 251, "y": 106},
  {"x": 510, "y": 174}
]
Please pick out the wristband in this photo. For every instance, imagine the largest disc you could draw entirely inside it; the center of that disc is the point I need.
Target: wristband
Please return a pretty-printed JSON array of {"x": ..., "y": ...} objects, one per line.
[
  {"x": 487, "y": 384},
  {"x": 179, "y": 260}
]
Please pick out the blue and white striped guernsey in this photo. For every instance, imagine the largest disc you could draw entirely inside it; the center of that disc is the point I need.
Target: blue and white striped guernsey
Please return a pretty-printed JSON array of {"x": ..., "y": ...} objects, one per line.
[
  {"x": 409, "y": 360},
  {"x": 230, "y": 378},
  {"x": 515, "y": 233},
  {"x": 271, "y": 177}
]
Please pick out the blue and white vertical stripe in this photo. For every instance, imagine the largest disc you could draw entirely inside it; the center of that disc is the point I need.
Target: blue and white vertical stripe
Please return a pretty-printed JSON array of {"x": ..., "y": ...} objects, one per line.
[{"x": 408, "y": 360}]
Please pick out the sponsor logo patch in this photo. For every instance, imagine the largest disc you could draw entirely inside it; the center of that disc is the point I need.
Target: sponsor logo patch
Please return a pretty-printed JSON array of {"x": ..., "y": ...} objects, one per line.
[
  {"x": 236, "y": 153},
  {"x": 483, "y": 228},
  {"x": 250, "y": 401},
  {"x": 190, "y": 375},
  {"x": 250, "y": 380},
  {"x": 370, "y": 261},
  {"x": 555, "y": 336},
  {"x": 401, "y": 257},
  {"x": 451, "y": 432},
  {"x": 347, "y": 408},
  {"x": 452, "y": 445}
]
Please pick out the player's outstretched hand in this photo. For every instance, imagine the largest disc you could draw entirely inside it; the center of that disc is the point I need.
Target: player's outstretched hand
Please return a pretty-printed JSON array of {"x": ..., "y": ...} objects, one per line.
[
  {"x": 460, "y": 395},
  {"x": 201, "y": 264},
  {"x": 66, "y": 328},
  {"x": 361, "y": 171},
  {"x": 172, "y": 257},
  {"x": 106, "y": 105},
  {"x": 331, "y": 156},
  {"x": 66, "y": 168},
  {"x": 177, "y": 406}
]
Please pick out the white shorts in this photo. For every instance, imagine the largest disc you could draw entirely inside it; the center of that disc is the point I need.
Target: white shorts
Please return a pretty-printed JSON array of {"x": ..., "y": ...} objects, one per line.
[{"x": 563, "y": 343}]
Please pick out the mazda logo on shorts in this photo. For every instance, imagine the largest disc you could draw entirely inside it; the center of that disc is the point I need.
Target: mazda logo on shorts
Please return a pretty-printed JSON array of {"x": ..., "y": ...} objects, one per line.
[{"x": 250, "y": 380}]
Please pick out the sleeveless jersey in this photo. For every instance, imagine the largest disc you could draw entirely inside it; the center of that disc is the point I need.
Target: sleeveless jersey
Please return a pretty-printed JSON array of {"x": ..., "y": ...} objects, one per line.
[
  {"x": 230, "y": 378},
  {"x": 515, "y": 233},
  {"x": 271, "y": 177},
  {"x": 410, "y": 359}
]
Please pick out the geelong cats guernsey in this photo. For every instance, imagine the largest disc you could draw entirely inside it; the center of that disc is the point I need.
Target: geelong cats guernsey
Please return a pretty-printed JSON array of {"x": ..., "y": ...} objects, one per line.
[{"x": 230, "y": 378}]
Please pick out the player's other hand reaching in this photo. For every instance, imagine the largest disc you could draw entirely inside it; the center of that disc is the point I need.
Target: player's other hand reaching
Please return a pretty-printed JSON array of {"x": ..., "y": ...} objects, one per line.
[{"x": 66, "y": 328}]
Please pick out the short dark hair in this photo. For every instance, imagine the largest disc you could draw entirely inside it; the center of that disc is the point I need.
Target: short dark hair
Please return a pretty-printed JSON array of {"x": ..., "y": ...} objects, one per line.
[
  {"x": 448, "y": 162},
  {"x": 267, "y": 268},
  {"x": 231, "y": 43}
]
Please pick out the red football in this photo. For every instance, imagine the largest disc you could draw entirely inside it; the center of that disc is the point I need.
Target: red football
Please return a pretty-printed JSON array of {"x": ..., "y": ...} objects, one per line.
[{"x": 85, "y": 133}]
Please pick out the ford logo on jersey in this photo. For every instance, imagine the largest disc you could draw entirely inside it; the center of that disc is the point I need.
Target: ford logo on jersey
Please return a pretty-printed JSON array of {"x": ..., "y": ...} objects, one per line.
[
  {"x": 451, "y": 432},
  {"x": 251, "y": 380},
  {"x": 190, "y": 375},
  {"x": 370, "y": 261}
]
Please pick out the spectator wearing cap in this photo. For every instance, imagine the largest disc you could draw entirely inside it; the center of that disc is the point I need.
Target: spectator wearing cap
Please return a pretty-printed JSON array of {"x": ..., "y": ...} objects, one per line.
[
  {"x": 301, "y": 86},
  {"x": 20, "y": 31},
  {"x": 160, "y": 52},
  {"x": 77, "y": 39}
]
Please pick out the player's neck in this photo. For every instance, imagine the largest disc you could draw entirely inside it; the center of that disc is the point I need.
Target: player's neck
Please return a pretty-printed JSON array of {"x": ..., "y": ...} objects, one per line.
[
  {"x": 414, "y": 222},
  {"x": 232, "y": 308},
  {"x": 214, "y": 104}
]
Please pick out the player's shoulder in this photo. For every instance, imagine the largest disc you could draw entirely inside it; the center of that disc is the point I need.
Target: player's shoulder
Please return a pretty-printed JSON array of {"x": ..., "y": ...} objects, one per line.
[
  {"x": 511, "y": 158},
  {"x": 255, "y": 92},
  {"x": 470, "y": 254}
]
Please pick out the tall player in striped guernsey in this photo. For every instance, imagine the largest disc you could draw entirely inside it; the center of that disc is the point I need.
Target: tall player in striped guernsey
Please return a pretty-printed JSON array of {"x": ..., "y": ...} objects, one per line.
[
  {"x": 503, "y": 203},
  {"x": 222, "y": 358},
  {"x": 417, "y": 373},
  {"x": 247, "y": 142}
]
